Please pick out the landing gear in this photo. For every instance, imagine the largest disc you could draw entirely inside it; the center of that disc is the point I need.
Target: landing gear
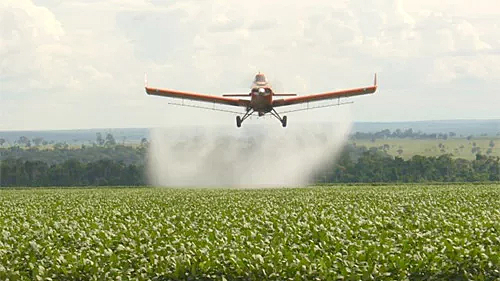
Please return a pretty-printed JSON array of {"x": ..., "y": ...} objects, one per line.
[
  {"x": 240, "y": 120},
  {"x": 250, "y": 111},
  {"x": 282, "y": 120}
]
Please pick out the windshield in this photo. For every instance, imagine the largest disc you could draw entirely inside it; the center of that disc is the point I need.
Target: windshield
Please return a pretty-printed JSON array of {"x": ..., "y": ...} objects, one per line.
[{"x": 260, "y": 78}]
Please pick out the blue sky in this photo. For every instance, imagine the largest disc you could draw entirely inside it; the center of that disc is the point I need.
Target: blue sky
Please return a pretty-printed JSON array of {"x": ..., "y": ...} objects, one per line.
[{"x": 80, "y": 64}]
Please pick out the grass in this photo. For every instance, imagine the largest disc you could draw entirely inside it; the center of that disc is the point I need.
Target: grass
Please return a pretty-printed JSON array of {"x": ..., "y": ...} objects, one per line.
[
  {"x": 459, "y": 147},
  {"x": 321, "y": 233}
]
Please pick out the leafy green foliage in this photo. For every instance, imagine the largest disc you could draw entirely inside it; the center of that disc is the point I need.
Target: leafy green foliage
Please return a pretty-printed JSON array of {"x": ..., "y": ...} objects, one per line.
[{"x": 349, "y": 233}]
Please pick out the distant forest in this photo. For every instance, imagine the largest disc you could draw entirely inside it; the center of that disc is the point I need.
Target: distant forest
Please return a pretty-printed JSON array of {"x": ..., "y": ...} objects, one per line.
[
  {"x": 106, "y": 163},
  {"x": 406, "y": 134},
  {"x": 362, "y": 165}
]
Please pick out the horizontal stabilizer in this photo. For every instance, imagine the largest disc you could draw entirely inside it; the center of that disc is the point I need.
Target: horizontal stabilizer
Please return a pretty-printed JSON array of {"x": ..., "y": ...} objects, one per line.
[{"x": 285, "y": 95}]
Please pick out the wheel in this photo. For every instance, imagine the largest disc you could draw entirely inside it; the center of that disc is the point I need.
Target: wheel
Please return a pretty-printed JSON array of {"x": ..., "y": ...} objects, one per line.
[
  {"x": 238, "y": 121},
  {"x": 283, "y": 121}
]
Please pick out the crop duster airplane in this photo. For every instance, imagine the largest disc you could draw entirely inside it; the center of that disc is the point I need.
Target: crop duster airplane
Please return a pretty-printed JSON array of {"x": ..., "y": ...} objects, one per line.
[{"x": 262, "y": 98}]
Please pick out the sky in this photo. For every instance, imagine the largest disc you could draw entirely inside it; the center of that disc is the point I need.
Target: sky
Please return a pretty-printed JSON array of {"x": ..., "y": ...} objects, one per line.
[{"x": 81, "y": 64}]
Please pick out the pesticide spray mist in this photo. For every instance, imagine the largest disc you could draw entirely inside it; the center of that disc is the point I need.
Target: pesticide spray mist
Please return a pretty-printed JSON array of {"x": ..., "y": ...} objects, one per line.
[{"x": 256, "y": 155}]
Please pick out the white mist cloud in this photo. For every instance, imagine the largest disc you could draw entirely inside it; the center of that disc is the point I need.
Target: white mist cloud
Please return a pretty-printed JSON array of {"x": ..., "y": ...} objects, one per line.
[{"x": 260, "y": 155}]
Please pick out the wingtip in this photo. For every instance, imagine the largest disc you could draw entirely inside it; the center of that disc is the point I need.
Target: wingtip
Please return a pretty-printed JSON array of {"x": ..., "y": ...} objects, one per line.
[
  {"x": 375, "y": 80},
  {"x": 145, "y": 80}
]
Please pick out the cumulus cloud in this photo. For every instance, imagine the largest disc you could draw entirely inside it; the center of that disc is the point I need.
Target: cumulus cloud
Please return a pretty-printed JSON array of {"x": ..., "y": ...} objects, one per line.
[
  {"x": 30, "y": 45},
  {"x": 88, "y": 57}
]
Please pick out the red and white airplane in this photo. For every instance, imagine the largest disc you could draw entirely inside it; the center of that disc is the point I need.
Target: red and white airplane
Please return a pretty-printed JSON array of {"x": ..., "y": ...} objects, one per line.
[{"x": 261, "y": 98}]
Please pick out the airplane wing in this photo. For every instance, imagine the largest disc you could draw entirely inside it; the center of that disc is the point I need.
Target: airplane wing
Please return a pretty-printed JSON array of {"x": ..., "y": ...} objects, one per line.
[
  {"x": 196, "y": 97},
  {"x": 327, "y": 95}
]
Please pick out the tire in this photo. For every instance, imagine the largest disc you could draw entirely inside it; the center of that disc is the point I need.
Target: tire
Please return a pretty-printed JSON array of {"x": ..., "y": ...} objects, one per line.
[
  {"x": 283, "y": 122},
  {"x": 238, "y": 121}
]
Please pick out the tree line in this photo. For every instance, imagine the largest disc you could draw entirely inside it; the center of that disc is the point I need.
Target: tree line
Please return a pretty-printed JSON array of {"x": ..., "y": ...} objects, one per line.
[
  {"x": 106, "y": 163},
  {"x": 376, "y": 166},
  {"x": 58, "y": 154},
  {"x": 353, "y": 167},
  {"x": 100, "y": 140},
  {"x": 401, "y": 134},
  {"x": 105, "y": 172}
]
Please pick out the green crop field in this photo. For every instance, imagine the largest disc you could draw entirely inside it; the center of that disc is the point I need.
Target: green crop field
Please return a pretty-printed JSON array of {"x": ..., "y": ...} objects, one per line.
[{"x": 319, "y": 233}]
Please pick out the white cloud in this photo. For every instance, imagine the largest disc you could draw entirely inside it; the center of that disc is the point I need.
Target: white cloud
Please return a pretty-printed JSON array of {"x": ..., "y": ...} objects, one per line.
[
  {"x": 30, "y": 45},
  {"x": 87, "y": 58}
]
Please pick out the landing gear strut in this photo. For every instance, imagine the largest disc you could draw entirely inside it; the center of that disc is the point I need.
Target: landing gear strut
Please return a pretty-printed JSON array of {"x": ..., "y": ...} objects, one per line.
[
  {"x": 282, "y": 120},
  {"x": 240, "y": 120}
]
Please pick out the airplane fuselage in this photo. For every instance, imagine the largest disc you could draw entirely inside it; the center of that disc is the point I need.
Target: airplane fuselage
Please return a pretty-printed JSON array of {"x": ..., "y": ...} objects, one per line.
[
  {"x": 261, "y": 100},
  {"x": 261, "y": 95}
]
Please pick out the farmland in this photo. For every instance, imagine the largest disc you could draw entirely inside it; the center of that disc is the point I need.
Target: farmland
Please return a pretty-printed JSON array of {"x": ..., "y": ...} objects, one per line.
[
  {"x": 458, "y": 147},
  {"x": 329, "y": 233}
]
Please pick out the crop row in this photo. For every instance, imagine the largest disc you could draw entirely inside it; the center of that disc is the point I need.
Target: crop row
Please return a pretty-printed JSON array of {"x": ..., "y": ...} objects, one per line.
[{"x": 321, "y": 233}]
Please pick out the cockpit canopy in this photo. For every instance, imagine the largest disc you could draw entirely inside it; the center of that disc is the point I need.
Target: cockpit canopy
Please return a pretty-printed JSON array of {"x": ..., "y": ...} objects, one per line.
[{"x": 260, "y": 78}]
